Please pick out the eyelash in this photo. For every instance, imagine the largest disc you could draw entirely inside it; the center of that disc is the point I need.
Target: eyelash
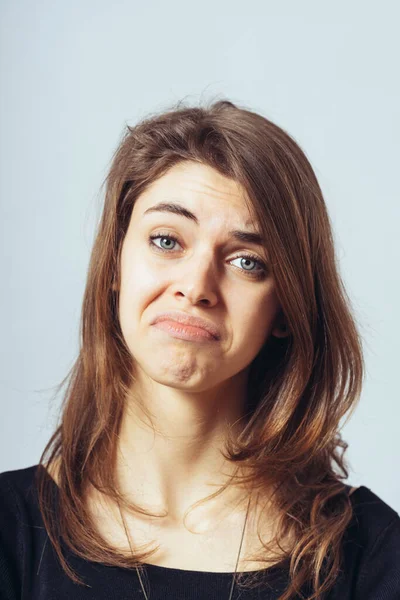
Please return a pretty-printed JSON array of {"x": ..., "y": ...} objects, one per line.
[{"x": 255, "y": 274}]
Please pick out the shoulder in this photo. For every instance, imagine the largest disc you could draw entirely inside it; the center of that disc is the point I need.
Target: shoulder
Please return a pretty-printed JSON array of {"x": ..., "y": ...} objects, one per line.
[
  {"x": 19, "y": 527},
  {"x": 19, "y": 509},
  {"x": 372, "y": 549},
  {"x": 371, "y": 516},
  {"x": 19, "y": 498},
  {"x": 20, "y": 479},
  {"x": 17, "y": 487}
]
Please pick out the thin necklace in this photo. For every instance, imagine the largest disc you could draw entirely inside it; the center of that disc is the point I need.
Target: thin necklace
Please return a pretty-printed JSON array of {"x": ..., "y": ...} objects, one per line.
[{"x": 237, "y": 561}]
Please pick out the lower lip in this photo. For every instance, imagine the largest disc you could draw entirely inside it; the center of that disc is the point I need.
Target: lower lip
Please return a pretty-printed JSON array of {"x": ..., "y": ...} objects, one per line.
[{"x": 185, "y": 332}]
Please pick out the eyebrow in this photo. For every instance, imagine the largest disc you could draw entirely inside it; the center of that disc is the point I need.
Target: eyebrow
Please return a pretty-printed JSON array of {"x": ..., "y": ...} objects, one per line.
[{"x": 248, "y": 237}]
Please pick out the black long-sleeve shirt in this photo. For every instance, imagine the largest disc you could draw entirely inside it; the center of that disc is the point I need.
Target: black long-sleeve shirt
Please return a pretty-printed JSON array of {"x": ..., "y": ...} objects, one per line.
[{"x": 29, "y": 568}]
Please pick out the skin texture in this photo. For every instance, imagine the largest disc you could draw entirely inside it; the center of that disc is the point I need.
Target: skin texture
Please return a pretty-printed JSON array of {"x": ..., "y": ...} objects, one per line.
[{"x": 193, "y": 390}]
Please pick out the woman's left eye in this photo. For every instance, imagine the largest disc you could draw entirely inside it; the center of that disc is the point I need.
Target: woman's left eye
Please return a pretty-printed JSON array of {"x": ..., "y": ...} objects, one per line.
[{"x": 244, "y": 258}]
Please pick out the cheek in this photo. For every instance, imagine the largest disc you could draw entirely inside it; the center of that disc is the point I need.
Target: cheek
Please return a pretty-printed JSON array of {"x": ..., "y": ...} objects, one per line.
[
  {"x": 140, "y": 285},
  {"x": 136, "y": 274},
  {"x": 257, "y": 318}
]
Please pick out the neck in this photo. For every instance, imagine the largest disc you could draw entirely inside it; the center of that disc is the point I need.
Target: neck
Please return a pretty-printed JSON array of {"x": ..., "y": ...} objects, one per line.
[{"x": 175, "y": 459}]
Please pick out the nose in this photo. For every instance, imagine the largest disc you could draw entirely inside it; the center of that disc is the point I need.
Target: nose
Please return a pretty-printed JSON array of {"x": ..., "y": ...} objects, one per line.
[{"x": 198, "y": 282}]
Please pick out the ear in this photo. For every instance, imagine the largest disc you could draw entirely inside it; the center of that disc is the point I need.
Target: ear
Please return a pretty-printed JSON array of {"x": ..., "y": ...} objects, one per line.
[{"x": 280, "y": 331}]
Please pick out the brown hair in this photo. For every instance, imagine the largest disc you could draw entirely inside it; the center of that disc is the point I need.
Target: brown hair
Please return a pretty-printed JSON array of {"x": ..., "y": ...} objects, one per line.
[{"x": 299, "y": 386}]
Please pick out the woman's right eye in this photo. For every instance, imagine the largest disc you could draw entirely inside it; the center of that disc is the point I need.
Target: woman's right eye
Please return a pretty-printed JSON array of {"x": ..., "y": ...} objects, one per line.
[{"x": 163, "y": 238}]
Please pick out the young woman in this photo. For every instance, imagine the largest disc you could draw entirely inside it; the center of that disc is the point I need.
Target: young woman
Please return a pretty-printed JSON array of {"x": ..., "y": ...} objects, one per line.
[{"x": 198, "y": 454}]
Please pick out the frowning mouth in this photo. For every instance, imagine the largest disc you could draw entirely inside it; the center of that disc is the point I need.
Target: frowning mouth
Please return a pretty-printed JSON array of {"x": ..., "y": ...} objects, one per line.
[{"x": 186, "y": 326}]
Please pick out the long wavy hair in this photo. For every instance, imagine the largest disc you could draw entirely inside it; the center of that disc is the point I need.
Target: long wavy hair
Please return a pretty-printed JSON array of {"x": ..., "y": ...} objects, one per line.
[{"x": 299, "y": 386}]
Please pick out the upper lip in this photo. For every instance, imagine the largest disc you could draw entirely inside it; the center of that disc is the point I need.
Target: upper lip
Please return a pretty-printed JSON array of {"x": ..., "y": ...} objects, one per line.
[{"x": 185, "y": 319}]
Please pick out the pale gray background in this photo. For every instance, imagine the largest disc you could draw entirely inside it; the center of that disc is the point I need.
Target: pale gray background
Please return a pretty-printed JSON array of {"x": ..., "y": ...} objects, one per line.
[{"x": 72, "y": 74}]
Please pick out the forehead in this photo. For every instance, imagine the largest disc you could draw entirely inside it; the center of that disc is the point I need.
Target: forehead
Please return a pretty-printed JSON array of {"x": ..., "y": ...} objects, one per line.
[{"x": 198, "y": 186}]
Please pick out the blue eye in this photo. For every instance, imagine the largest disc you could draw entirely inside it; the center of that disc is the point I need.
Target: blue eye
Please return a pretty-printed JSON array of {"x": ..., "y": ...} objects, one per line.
[
  {"x": 168, "y": 239},
  {"x": 249, "y": 258}
]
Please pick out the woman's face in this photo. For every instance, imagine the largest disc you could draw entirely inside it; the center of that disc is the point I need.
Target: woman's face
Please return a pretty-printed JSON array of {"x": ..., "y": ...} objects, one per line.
[{"x": 202, "y": 271}]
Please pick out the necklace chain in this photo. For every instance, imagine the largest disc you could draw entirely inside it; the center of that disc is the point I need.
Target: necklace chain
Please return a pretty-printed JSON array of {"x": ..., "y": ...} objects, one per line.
[{"x": 237, "y": 561}]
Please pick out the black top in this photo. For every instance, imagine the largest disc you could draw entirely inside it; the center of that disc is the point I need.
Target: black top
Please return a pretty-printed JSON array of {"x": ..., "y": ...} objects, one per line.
[{"x": 29, "y": 568}]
